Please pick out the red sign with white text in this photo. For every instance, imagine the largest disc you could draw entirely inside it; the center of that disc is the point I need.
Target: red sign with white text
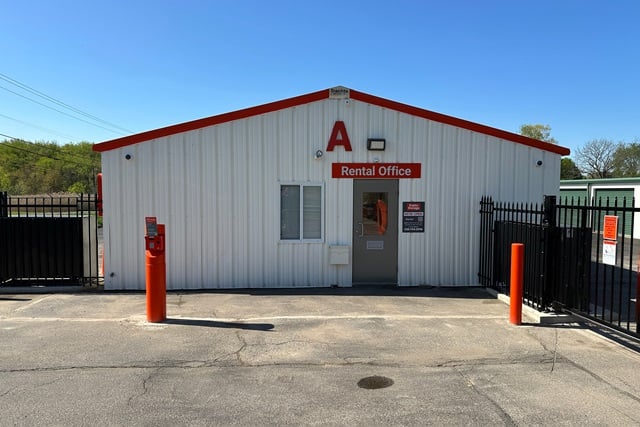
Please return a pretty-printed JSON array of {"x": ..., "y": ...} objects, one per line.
[
  {"x": 610, "y": 228},
  {"x": 376, "y": 170}
]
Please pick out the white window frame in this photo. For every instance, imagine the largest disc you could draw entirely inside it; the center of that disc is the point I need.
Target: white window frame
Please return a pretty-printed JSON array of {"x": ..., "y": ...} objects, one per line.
[{"x": 301, "y": 210}]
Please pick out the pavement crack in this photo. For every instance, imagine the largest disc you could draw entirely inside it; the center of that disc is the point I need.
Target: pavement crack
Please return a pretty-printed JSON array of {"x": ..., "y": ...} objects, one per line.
[
  {"x": 508, "y": 421},
  {"x": 243, "y": 345},
  {"x": 145, "y": 387},
  {"x": 524, "y": 360},
  {"x": 8, "y": 391}
]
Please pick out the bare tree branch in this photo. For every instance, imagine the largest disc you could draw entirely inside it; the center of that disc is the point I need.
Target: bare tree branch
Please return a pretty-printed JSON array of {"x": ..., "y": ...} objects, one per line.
[{"x": 596, "y": 158}]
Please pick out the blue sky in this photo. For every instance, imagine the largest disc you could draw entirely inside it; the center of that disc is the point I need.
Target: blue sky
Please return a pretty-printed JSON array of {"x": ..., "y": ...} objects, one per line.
[{"x": 141, "y": 65}]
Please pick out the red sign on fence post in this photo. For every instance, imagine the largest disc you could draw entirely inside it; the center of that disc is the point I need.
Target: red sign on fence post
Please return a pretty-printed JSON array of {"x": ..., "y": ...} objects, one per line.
[{"x": 610, "y": 228}]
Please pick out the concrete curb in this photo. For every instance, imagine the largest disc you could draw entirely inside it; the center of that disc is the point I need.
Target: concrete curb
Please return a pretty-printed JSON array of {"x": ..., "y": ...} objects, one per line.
[
  {"x": 535, "y": 315},
  {"x": 66, "y": 289}
]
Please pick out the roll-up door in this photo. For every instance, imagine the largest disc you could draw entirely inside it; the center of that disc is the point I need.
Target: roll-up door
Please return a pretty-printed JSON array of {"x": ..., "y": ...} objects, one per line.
[
  {"x": 570, "y": 216},
  {"x": 573, "y": 196},
  {"x": 617, "y": 197}
]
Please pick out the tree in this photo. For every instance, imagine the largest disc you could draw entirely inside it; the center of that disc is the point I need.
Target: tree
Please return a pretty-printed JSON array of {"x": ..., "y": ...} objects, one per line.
[
  {"x": 46, "y": 167},
  {"x": 568, "y": 169},
  {"x": 596, "y": 158},
  {"x": 627, "y": 160},
  {"x": 539, "y": 132}
]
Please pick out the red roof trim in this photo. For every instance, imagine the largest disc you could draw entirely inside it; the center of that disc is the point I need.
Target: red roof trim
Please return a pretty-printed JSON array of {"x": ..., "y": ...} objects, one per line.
[
  {"x": 318, "y": 96},
  {"x": 210, "y": 121},
  {"x": 453, "y": 121}
]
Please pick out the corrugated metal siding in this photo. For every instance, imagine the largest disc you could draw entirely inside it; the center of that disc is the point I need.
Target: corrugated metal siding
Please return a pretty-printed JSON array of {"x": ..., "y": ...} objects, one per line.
[{"x": 217, "y": 190}]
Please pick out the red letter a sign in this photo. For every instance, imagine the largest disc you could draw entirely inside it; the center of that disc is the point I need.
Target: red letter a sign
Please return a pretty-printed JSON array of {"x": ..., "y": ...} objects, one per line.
[{"x": 339, "y": 137}]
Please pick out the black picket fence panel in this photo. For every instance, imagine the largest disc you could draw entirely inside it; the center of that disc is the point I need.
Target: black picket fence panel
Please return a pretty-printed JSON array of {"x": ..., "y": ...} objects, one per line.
[
  {"x": 565, "y": 267},
  {"x": 49, "y": 240}
]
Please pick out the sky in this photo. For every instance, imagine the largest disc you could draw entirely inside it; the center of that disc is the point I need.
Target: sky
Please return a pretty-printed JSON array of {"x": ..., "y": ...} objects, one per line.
[{"x": 130, "y": 66}]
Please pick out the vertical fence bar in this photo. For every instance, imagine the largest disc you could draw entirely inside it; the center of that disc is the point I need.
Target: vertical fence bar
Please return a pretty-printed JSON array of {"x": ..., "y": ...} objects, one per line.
[
  {"x": 483, "y": 253},
  {"x": 630, "y": 269},
  {"x": 612, "y": 269},
  {"x": 4, "y": 204},
  {"x": 595, "y": 283},
  {"x": 620, "y": 282}
]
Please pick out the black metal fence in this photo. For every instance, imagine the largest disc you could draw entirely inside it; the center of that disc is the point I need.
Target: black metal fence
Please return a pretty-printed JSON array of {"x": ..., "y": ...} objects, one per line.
[
  {"x": 569, "y": 264},
  {"x": 50, "y": 240}
]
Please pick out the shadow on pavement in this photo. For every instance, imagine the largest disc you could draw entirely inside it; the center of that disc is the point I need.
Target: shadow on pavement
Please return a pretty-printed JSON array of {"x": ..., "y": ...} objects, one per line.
[
  {"x": 463, "y": 292},
  {"x": 216, "y": 324},
  {"x": 618, "y": 337},
  {"x": 456, "y": 292}
]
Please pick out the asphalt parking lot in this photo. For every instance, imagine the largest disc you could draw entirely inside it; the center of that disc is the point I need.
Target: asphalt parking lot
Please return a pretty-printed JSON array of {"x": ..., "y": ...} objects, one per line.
[{"x": 441, "y": 356}]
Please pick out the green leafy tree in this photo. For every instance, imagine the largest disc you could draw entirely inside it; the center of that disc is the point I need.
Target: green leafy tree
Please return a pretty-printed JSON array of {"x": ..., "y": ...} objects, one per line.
[
  {"x": 568, "y": 169},
  {"x": 626, "y": 160},
  {"x": 539, "y": 132},
  {"x": 46, "y": 167}
]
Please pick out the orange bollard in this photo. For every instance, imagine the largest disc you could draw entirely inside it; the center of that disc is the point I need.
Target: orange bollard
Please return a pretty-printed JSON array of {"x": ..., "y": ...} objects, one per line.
[
  {"x": 517, "y": 276},
  {"x": 156, "y": 277}
]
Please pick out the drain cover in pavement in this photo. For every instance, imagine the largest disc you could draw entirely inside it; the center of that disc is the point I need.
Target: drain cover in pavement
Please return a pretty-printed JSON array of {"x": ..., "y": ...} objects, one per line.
[{"x": 375, "y": 382}]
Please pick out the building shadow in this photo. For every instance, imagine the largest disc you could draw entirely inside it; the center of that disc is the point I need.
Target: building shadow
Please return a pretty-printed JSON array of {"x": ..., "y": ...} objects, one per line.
[
  {"x": 223, "y": 325},
  {"x": 462, "y": 292}
]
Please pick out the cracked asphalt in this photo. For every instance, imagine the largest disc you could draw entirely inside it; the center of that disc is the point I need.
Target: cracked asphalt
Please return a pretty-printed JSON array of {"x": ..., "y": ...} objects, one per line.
[{"x": 296, "y": 357}]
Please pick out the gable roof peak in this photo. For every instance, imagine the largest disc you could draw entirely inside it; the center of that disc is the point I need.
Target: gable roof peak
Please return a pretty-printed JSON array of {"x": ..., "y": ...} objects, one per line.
[{"x": 337, "y": 92}]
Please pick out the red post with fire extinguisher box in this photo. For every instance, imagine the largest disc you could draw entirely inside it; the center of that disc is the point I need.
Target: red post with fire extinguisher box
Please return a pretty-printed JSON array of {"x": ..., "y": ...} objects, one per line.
[{"x": 156, "y": 271}]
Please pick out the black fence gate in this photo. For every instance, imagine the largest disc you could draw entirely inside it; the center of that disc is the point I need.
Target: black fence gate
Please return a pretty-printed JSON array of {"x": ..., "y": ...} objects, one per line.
[
  {"x": 569, "y": 265},
  {"x": 49, "y": 240}
]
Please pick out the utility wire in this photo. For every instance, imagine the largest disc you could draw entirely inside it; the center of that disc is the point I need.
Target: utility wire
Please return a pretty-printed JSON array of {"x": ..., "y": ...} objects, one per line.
[
  {"x": 59, "y": 111},
  {"x": 60, "y": 103},
  {"x": 6, "y": 144},
  {"x": 70, "y": 137},
  {"x": 34, "y": 166},
  {"x": 77, "y": 156}
]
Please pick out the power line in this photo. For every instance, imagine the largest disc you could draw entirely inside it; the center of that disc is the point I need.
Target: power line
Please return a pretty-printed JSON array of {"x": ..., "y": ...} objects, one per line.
[
  {"x": 77, "y": 156},
  {"x": 70, "y": 137},
  {"x": 60, "y": 103},
  {"x": 59, "y": 111},
  {"x": 6, "y": 144}
]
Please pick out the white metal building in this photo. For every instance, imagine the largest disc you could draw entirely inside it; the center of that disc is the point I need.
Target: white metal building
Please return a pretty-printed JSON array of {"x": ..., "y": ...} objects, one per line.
[{"x": 336, "y": 187}]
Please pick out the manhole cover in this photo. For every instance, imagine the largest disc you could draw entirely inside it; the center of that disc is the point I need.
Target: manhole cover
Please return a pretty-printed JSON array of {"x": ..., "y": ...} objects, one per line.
[{"x": 374, "y": 382}]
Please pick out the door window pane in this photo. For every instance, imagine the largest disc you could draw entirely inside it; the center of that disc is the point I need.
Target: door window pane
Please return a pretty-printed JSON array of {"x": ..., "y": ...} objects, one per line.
[{"x": 375, "y": 213}]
